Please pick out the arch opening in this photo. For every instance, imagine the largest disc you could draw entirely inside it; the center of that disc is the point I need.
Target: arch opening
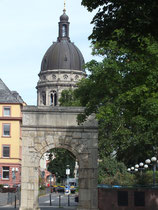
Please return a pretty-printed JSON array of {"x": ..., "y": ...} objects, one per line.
[{"x": 58, "y": 175}]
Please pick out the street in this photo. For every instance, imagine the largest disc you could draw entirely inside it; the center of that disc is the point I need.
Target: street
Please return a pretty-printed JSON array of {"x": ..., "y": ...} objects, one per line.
[
  {"x": 49, "y": 201},
  {"x": 57, "y": 200}
]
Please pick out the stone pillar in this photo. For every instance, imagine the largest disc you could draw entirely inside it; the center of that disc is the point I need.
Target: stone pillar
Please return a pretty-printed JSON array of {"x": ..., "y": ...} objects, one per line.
[
  {"x": 47, "y": 98},
  {"x": 88, "y": 174},
  {"x": 29, "y": 178}
]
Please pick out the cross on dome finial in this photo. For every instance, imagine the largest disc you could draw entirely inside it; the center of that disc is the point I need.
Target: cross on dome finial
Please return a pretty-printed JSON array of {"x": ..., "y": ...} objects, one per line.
[{"x": 64, "y": 6}]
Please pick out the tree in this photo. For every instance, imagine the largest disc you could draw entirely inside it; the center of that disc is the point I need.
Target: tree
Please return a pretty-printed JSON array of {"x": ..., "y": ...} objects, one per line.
[
  {"x": 127, "y": 22},
  {"x": 112, "y": 172},
  {"x": 122, "y": 89},
  {"x": 123, "y": 92},
  {"x": 59, "y": 164},
  {"x": 68, "y": 98}
]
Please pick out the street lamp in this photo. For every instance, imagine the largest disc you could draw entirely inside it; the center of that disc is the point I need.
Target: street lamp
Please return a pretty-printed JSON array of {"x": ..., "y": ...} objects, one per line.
[
  {"x": 14, "y": 171},
  {"x": 153, "y": 161},
  {"x": 129, "y": 170}
]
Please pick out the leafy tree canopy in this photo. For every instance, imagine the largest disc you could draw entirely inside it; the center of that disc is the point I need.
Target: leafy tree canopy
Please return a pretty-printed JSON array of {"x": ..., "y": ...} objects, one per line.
[
  {"x": 58, "y": 165},
  {"x": 112, "y": 172},
  {"x": 123, "y": 92},
  {"x": 68, "y": 98},
  {"x": 126, "y": 22}
]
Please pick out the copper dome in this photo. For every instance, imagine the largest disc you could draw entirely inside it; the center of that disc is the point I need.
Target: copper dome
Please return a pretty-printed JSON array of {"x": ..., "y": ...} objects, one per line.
[{"x": 63, "y": 54}]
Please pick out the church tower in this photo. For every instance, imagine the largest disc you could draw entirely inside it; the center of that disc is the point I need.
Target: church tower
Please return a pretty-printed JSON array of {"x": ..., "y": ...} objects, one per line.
[{"x": 61, "y": 68}]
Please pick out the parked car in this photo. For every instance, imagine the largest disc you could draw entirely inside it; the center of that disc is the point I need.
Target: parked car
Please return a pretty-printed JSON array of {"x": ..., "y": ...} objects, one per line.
[
  {"x": 6, "y": 186},
  {"x": 60, "y": 189},
  {"x": 72, "y": 189}
]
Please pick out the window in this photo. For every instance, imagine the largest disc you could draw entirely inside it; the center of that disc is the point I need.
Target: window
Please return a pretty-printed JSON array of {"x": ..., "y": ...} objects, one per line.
[
  {"x": 5, "y": 172},
  {"x": 6, "y": 151},
  {"x": 53, "y": 98},
  {"x": 139, "y": 198},
  {"x": 6, "y": 111},
  {"x": 122, "y": 198},
  {"x": 6, "y": 129}
]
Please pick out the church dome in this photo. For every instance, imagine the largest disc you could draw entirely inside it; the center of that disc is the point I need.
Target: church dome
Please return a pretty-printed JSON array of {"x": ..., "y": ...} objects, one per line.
[
  {"x": 62, "y": 55},
  {"x": 62, "y": 67}
]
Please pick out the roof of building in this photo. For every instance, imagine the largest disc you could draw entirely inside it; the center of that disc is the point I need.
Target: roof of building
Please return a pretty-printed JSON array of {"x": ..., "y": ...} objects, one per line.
[
  {"x": 63, "y": 54},
  {"x": 7, "y": 96}
]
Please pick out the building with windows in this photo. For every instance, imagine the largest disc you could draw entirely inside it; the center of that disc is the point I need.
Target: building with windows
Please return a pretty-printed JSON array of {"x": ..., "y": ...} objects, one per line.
[
  {"x": 62, "y": 67},
  {"x": 10, "y": 136}
]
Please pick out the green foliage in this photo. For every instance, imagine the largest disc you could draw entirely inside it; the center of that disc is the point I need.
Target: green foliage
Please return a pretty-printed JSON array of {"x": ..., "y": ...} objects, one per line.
[
  {"x": 112, "y": 172},
  {"x": 68, "y": 98},
  {"x": 146, "y": 178},
  {"x": 123, "y": 92},
  {"x": 58, "y": 165},
  {"x": 126, "y": 22}
]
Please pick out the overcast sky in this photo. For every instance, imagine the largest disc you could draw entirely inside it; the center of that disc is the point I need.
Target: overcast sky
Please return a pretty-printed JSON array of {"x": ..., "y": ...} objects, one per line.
[{"x": 27, "y": 29}]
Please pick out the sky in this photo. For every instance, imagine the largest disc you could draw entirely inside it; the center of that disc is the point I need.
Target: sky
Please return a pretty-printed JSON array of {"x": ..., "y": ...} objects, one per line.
[{"x": 27, "y": 30}]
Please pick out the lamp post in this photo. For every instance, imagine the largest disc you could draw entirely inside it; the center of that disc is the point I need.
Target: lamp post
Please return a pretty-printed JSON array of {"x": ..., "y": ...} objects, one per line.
[
  {"x": 138, "y": 167},
  {"x": 14, "y": 171},
  {"x": 67, "y": 173},
  {"x": 153, "y": 161},
  {"x": 50, "y": 179},
  {"x": 141, "y": 166}
]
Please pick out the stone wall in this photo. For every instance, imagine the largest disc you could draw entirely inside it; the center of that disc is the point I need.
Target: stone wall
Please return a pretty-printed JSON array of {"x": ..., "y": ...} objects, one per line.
[{"x": 128, "y": 199}]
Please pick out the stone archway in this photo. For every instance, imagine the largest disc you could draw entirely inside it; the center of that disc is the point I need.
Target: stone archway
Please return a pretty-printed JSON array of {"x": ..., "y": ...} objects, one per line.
[{"x": 45, "y": 128}]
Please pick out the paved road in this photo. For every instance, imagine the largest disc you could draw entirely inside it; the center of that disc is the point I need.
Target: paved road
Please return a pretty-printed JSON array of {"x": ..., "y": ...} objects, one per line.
[{"x": 57, "y": 200}]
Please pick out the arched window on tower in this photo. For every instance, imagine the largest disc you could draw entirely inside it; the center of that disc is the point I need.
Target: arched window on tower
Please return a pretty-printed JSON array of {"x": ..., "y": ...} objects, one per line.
[
  {"x": 64, "y": 30},
  {"x": 53, "y": 98}
]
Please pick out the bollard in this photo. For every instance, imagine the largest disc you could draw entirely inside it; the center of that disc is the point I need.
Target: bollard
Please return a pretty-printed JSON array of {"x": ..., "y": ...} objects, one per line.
[
  {"x": 59, "y": 200},
  {"x": 11, "y": 198},
  {"x": 50, "y": 199},
  {"x": 8, "y": 200},
  {"x": 15, "y": 201},
  {"x": 68, "y": 200}
]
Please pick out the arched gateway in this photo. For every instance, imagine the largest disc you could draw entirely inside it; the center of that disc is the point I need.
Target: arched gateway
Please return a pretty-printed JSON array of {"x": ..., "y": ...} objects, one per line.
[{"x": 45, "y": 128}]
